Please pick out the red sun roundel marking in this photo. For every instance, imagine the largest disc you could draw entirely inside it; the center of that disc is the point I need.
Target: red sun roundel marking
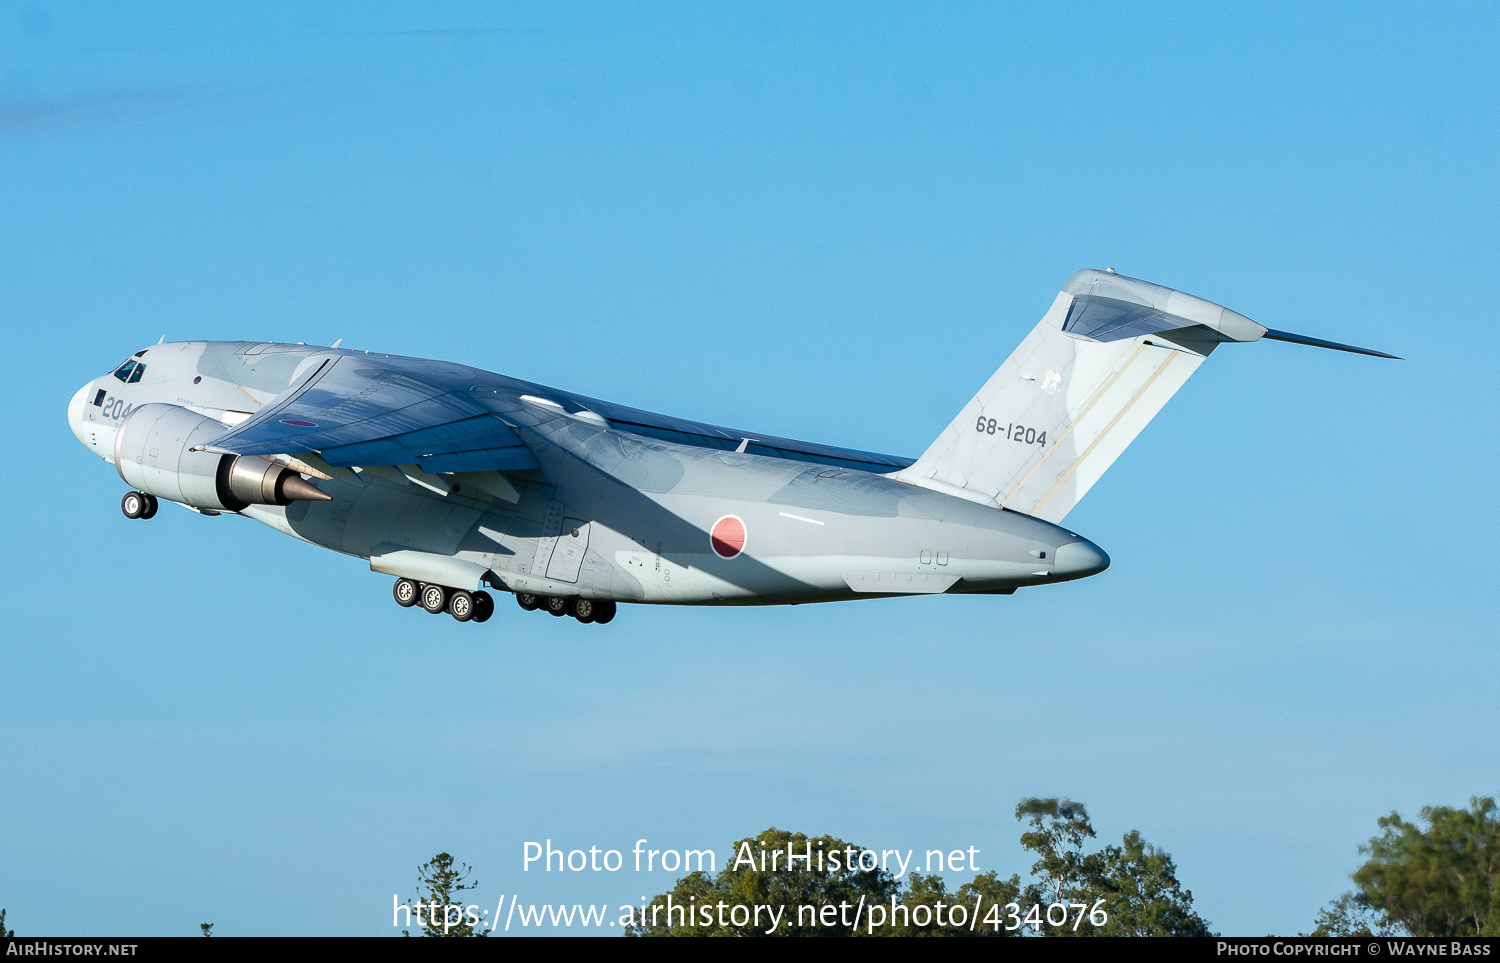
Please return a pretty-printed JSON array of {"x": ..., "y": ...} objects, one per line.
[
  {"x": 297, "y": 423},
  {"x": 728, "y": 536}
]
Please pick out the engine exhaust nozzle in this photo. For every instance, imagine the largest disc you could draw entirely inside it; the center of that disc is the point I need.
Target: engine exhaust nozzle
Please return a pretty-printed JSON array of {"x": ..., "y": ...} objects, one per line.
[{"x": 253, "y": 480}]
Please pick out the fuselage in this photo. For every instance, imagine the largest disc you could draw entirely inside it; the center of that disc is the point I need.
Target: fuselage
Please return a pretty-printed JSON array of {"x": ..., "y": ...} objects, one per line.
[{"x": 608, "y": 514}]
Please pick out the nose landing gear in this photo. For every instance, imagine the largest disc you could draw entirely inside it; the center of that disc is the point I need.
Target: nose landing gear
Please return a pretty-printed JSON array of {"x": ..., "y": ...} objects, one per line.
[{"x": 138, "y": 505}]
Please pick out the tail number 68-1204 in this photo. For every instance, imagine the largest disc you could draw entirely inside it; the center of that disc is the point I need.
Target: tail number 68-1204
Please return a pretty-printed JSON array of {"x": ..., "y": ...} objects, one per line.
[{"x": 1010, "y": 431}]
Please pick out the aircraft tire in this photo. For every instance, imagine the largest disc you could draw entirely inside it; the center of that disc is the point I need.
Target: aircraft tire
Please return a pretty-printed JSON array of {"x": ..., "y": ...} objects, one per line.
[
  {"x": 461, "y": 605},
  {"x": 406, "y": 592},
  {"x": 603, "y": 612},
  {"x": 150, "y": 511},
  {"x": 528, "y": 601},
  {"x": 133, "y": 504},
  {"x": 556, "y": 605},
  {"x": 583, "y": 609},
  {"x": 484, "y": 606},
  {"x": 434, "y": 599}
]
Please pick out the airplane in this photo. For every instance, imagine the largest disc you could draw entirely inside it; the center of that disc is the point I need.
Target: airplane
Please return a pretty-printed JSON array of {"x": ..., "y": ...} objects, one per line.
[{"x": 452, "y": 479}]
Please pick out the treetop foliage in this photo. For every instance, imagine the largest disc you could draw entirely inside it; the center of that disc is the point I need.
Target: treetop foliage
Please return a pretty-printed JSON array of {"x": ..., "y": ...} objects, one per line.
[
  {"x": 812, "y": 882},
  {"x": 1352, "y": 915},
  {"x": 445, "y": 882},
  {"x": 1136, "y": 881},
  {"x": 1440, "y": 881}
]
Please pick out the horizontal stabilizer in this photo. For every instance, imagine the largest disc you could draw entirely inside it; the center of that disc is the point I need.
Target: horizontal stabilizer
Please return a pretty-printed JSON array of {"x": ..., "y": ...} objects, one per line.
[
  {"x": 1275, "y": 335},
  {"x": 1110, "y": 319}
]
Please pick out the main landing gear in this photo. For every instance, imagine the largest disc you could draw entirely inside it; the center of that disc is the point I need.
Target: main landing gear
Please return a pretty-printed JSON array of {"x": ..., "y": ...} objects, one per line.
[
  {"x": 437, "y": 599},
  {"x": 479, "y": 606},
  {"x": 138, "y": 505},
  {"x": 584, "y": 610}
]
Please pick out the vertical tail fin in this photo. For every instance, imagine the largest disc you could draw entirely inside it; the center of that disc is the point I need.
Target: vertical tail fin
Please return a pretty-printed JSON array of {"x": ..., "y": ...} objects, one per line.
[{"x": 1100, "y": 364}]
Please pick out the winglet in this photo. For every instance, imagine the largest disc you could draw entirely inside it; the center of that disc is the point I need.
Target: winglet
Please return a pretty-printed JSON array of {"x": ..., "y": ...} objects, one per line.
[{"x": 1275, "y": 335}]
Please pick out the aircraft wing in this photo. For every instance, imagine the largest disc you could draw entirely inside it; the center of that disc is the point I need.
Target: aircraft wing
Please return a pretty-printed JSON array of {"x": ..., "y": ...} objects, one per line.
[
  {"x": 355, "y": 409},
  {"x": 362, "y": 410},
  {"x": 700, "y": 435}
]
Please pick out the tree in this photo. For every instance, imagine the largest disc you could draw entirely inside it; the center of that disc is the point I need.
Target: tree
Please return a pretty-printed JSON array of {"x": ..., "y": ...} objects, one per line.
[
  {"x": 1147, "y": 899},
  {"x": 1058, "y": 830},
  {"x": 751, "y": 878},
  {"x": 440, "y": 910},
  {"x": 1134, "y": 885},
  {"x": 3, "y": 931},
  {"x": 1441, "y": 881},
  {"x": 207, "y": 928},
  {"x": 1352, "y": 915},
  {"x": 984, "y": 897},
  {"x": 1136, "y": 881}
]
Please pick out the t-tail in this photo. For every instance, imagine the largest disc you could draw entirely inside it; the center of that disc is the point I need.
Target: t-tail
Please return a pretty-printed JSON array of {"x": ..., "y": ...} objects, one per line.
[{"x": 1102, "y": 362}]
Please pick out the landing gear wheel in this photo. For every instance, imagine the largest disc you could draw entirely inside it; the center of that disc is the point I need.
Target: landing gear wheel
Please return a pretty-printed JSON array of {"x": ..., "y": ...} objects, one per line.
[
  {"x": 150, "y": 506},
  {"x": 406, "y": 592},
  {"x": 133, "y": 504},
  {"x": 434, "y": 598},
  {"x": 556, "y": 605},
  {"x": 461, "y": 605},
  {"x": 584, "y": 609},
  {"x": 603, "y": 612},
  {"x": 484, "y": 606},
  {"x": 528, "y": 601}
]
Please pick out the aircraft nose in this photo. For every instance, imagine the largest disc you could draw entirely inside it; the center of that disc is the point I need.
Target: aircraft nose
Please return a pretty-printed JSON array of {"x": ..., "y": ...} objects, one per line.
[
  {"x": 75, "y": 410},
  {"x": 1079, "y": 559}
]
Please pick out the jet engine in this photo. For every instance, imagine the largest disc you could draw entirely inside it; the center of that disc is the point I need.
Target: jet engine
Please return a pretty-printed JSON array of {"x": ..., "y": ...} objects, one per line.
[{"x": 154, "y": 454}]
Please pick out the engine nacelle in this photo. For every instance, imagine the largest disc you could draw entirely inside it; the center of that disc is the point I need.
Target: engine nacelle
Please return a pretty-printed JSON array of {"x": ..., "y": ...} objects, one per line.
[{"x": 154, "y": 454}]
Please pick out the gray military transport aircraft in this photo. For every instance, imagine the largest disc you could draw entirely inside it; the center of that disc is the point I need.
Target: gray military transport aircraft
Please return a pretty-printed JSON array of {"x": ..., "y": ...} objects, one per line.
[{"x": 451, "y": 478}]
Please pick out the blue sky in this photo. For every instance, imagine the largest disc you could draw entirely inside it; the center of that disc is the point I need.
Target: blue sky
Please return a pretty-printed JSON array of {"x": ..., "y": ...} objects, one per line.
[{"x": 830, "y": 222}]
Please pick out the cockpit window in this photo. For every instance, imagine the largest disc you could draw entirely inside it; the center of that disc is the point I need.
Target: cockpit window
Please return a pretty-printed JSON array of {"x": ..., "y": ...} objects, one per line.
[{"x": 131, "y": 371}]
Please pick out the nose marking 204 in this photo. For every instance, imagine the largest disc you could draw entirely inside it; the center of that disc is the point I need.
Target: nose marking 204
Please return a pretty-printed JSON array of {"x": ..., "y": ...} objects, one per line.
[{"x": 115, "y": 408}]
